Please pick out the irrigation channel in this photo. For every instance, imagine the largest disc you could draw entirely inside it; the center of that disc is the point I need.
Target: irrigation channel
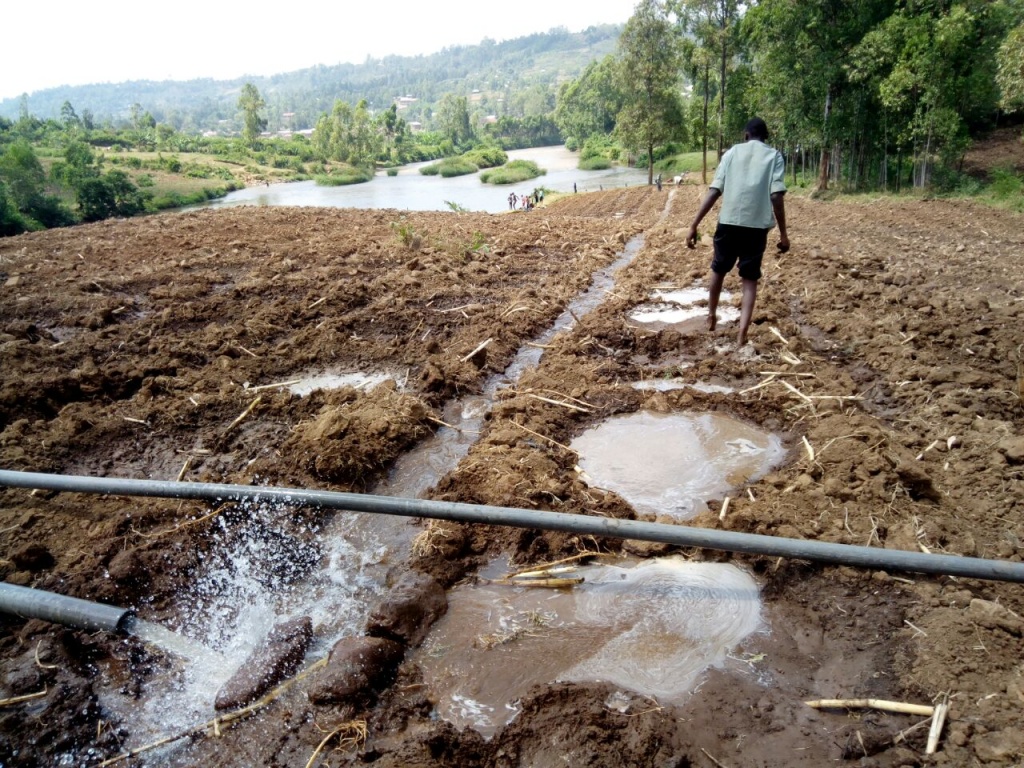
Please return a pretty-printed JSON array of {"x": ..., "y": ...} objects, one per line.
[{"x": 264, "y": 579}]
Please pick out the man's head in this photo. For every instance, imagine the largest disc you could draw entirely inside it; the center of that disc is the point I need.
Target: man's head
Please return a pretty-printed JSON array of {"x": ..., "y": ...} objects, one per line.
[{"x": 756, "y": 129}]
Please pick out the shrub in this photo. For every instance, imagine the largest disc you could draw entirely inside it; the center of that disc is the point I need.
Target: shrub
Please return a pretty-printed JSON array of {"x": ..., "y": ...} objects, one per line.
[
  {"x": 392, "y": 171},
  {"x": 572, "y": 144},
  {"x": 486, "y": 157},
  {"x": 343, "y": 176},
  {"x": 512, "y": 173},
  {"x": 449, "y": 167},
  {"x": 113, "y": 194},
  {"x": 595, "y": 163},
  {"x": 1005, "y": 183}
]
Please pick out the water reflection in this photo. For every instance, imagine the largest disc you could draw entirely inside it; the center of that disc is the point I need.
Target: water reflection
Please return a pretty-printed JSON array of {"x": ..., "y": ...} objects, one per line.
[{"x": 652, "y": 628}]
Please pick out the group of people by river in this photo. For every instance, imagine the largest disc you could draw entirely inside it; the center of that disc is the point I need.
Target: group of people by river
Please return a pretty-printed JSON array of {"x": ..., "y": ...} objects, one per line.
[{"x": 525, "y": 202}]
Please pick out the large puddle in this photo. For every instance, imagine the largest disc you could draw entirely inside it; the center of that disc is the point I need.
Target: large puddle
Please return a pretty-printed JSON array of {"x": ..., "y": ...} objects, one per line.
[
  {"x": 672, "y": 464},
  {"x": 651, "y": 628}
]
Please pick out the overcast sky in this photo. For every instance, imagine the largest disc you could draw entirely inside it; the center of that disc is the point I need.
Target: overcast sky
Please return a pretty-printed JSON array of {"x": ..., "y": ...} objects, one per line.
[{"x": 69, "y": 42}]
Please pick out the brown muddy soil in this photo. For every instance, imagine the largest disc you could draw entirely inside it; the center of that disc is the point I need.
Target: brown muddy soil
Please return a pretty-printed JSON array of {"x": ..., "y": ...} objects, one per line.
[{"x": 893, "y": 330}]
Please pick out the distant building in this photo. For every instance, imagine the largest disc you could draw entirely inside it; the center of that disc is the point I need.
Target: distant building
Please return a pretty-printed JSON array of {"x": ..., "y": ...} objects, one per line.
[
  {"x": 404, "y": 102},
  {"x": 415, "y": 126}
]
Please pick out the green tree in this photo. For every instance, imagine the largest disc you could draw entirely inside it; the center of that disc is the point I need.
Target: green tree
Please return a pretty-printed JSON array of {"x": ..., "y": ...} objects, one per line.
[
  {"x": 650, "y": 63},
  {"x": 251, "y": 104},
  {"x": 588, "y": 105},
  {"x": 113, "y": 194},
  {"x": 11, "y": 220},
  {"x": 22, "y": 173},
  {"x": 801, "y": 51},
  {"x": 934, "y": 67},
  {"x": 453, "y": 119},
  {"x": 713, "y": 26},
  {"x": 1010, "y": 75},
  {"x": 68, "y": 116}
]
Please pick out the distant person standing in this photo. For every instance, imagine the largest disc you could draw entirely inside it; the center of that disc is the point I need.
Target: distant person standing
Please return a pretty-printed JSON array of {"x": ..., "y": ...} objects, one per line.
[{"x": 750, "y": 182}]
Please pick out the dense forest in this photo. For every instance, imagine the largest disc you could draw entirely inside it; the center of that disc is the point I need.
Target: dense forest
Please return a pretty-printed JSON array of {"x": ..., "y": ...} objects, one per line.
[{"x": 873, "y": 93}]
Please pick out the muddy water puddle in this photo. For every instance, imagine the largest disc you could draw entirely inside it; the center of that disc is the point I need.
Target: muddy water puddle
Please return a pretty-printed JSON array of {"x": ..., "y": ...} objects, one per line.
[
  {"x": 306, "y": 384},
  {"x": 650, "y": 628},
  {"x": 682, "y": 309},
  {"x": 671, "y": 464},
  {"x": 670, "y": 384}
]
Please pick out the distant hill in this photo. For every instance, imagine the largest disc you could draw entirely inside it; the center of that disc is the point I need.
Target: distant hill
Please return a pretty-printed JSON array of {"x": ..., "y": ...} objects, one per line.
[{"x": 515, "y": 77}]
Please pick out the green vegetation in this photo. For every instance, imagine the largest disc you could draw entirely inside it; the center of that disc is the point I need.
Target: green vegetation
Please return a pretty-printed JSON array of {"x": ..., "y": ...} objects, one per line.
[
  {"x": 487, "y": 157},
  {"x": 450, "y": 166},
  {"x": 879, "y": 95},
  {"x": 344, "y": 175},
  {"x": 512, "y": 173}
]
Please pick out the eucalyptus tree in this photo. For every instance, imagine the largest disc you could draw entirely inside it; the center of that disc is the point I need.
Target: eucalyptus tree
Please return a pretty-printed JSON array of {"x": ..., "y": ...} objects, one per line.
[
  {"x": 453, "y": 119},
  {"x": 800, "y": 51},
  {"x": 1010, "y": 76},
  {"x": 589, "y": 104},
  {"x": 713, "y": 26},
  {"x": 649, "y": 77},
  {"x": 935, "y": 69},
  {"x": 251, "y": 104}
]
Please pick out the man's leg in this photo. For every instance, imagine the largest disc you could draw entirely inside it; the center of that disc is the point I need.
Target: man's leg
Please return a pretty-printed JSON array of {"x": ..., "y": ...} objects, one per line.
[
  {"x": 714, "y": 291},
  {"x": 746, "y": 308}
]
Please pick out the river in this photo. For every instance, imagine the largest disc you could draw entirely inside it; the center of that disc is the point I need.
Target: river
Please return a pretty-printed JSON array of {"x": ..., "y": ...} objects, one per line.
[{"x": 410, "y": 190}]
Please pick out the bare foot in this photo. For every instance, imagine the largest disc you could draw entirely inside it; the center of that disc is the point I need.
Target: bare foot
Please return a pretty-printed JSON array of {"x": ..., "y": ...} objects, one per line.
[{"x": 711, "y": 322}]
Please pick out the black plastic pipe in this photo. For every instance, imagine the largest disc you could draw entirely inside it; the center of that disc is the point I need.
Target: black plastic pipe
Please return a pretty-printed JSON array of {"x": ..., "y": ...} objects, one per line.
[
  {"x": 71, "y": 611},
  {"x": 680, "y": 535}
]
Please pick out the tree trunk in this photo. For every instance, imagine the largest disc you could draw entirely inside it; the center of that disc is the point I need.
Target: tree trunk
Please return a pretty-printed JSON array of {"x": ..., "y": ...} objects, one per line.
[
  {"x": 650, "y": 164},
  {"x": 721, "y": 93},
  {"x": 707, "y": 98},
  {"x": 826, "y": 156}
]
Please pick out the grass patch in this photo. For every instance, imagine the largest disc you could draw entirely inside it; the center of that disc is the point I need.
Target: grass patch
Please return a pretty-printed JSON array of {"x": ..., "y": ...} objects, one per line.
[
  {"x": 165, "y": 199},
  {"x": 595, "y": 163},
  {"x": 687, "y": 162},
  {"x": 512, "y": 173}
]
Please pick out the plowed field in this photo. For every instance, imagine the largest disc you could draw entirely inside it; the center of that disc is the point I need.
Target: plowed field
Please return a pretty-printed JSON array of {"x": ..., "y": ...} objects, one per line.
[{"x": 886, "y": 350}]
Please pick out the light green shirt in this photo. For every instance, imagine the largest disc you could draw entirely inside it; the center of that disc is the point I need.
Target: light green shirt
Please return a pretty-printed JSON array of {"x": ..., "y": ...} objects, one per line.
[{"x": 747, "y": 176}]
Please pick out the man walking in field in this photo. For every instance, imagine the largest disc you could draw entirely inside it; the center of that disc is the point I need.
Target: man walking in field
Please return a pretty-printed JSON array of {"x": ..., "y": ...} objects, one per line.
[{"x": 749, "y": 180}]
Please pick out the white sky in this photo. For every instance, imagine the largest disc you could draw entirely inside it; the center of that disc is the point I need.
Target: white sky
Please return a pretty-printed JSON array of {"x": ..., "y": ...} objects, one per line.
[{"x": 70, "y": 42}]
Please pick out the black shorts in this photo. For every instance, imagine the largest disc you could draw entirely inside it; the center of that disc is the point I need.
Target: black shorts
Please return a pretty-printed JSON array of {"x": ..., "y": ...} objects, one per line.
[{"x": 743, "y": 244}]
